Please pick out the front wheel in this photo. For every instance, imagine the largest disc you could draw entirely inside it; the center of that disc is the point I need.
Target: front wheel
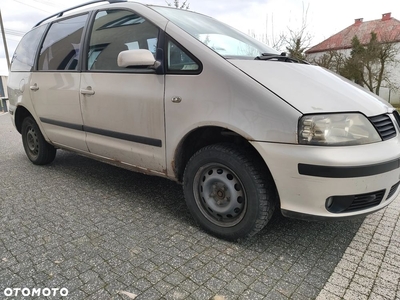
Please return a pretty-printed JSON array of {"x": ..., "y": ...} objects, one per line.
[
  {"x": 36, "y": 148},
  {"x": 229, "y": 194}
]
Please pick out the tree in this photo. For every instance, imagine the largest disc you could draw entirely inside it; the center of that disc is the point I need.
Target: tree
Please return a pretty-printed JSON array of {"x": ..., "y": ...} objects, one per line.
[
  {"x": 299, "y": 40},
  {"x": 353, "y": 67},
  {"x": 368, "y": 64},
  {"x": 332, "y": 60},
  {"x": 176, "y": 3},
  {"x": 387, "y": 55},
  {"x": 295, "y": 41},
  {"x": 296, "y": 49},
  {"x": 269, "y": 36}
]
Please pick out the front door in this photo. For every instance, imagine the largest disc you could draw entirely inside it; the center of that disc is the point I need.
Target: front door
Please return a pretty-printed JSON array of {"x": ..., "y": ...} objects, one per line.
[{"x": 122, "y": 108}]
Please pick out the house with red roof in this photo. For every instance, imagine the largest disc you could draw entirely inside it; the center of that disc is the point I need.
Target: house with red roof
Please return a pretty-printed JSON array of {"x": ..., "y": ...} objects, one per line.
[{"x": 387, "y": 30}]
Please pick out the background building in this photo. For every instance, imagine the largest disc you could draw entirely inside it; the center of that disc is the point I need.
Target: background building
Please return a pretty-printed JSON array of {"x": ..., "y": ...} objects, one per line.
[{"x": 388, "y": 31}]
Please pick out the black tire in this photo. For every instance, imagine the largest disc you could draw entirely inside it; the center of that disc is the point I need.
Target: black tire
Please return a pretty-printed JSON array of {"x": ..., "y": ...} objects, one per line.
[
  {"x": 36, "y": 148},
  {"x": 228, "y": 193}
]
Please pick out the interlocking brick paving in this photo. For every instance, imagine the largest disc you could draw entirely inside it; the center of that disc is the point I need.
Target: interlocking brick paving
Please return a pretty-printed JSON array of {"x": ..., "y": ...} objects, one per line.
[{"x": 107, "y": 233}]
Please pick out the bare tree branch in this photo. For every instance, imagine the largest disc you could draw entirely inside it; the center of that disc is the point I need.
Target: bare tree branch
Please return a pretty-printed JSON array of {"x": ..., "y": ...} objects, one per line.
[
  {"x": 299, "y": 40},
  {"x": 184, "y": 5},
  {"x": 370, "y": 64}
]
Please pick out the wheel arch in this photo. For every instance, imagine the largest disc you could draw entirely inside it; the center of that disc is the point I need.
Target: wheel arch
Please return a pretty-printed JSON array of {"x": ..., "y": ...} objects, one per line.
[
  {"x": 205, "y": 136},
  {"x": 20, "y": 114}
]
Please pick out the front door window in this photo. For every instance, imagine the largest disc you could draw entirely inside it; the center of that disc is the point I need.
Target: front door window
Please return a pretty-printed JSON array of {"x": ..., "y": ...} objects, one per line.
[{"x": 115, "y": 31}]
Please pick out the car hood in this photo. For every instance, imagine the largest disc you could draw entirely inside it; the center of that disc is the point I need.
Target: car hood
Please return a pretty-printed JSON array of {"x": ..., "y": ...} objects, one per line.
[{"x": 312, "y": 89}]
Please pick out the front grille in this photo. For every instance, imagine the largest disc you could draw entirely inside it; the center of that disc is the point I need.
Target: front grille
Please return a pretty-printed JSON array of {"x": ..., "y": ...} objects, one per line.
[
  {"x": 393, "y": 190},
  {"x": 341, "y": 204},
  {"x": 384, "y": 126}
]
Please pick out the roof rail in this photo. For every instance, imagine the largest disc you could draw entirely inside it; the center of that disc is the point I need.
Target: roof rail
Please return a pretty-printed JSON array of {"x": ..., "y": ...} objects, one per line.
[{"x": 60, "y": 14}]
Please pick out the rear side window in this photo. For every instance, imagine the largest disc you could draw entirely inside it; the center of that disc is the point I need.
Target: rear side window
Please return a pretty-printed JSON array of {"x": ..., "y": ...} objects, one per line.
[
  {"x": 24, "y": 56},
  {"x": 115, "y": 31},
  {"x": 61, "y": 46}
]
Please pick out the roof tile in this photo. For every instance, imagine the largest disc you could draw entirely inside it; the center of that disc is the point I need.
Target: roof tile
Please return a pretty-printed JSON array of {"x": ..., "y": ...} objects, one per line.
[{"x": 387, "y": 30}]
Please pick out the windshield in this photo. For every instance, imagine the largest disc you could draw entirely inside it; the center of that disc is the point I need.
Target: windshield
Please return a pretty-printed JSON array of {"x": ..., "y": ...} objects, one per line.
[{"x": 218, "y": 36}]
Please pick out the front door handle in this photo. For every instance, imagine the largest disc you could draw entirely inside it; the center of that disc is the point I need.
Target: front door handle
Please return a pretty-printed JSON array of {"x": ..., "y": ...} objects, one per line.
[
  {"x": 87, "y": 91},
  {"x": 34, "y": 87}
]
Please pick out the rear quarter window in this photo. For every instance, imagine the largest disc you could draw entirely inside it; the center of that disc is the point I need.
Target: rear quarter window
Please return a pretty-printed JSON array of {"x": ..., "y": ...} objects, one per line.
[{"x": 24, "y": 56}]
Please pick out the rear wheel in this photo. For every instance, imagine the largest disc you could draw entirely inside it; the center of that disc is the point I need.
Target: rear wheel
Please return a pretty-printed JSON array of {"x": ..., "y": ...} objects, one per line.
[
  {"x": 36, "y": 148},
  {"x": 228, "y": 193}
]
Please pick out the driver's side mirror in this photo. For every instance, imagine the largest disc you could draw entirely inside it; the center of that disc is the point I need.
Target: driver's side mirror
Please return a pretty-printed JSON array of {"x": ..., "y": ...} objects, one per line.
[{"x": 136, "y": 58}]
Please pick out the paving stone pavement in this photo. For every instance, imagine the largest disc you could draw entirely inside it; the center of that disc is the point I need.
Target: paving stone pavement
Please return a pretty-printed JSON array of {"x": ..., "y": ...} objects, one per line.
[
  {"x": 370, "y": 266},
  {"x": 106, "y": 233}
]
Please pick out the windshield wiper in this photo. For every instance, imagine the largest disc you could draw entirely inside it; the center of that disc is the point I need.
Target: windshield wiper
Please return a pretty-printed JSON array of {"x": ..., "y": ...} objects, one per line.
[{"x": 280, "y": 57}]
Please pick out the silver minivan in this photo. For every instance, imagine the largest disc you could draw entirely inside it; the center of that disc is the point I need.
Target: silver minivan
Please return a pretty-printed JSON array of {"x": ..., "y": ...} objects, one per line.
[{"x": 177, "y": 94}]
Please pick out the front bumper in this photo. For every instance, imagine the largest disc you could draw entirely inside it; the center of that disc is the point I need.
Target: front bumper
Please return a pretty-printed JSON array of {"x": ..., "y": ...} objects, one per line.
[{"x": 306, "y": 176}]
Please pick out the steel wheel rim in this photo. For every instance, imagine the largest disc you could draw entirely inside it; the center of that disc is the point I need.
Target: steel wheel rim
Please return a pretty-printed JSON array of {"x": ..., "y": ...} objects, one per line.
[
  {"x": 32, "y": 141},
  {"x": 220, "y": 195}
]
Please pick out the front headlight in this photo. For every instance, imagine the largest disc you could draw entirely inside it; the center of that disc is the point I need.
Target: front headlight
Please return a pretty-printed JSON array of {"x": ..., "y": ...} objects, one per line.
[{"x": 337, "y": 130}]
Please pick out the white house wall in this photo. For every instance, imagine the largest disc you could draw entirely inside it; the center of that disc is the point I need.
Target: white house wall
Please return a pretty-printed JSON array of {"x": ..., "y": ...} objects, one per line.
[{"x": 392, "y": 95}]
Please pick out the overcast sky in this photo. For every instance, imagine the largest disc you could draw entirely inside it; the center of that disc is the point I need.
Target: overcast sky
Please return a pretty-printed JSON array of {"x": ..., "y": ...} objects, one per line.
[{"x": 324, "y": 18}]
